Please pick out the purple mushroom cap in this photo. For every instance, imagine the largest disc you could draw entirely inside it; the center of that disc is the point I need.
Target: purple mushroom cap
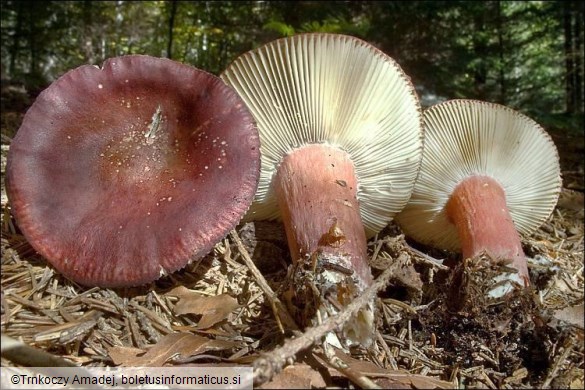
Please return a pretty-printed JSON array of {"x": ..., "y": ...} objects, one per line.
[{"x": 121, "y": 174}]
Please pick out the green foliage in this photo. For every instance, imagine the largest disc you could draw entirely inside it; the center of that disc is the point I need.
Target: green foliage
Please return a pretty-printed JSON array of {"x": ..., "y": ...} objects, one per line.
[
  {"x": 331, "y": 23},
  {"x": 280, "y": 28},
  {"x": 571, "y": 123},
  {"x": 511, "y": 52},
  {"x": 337, "y": 25}
]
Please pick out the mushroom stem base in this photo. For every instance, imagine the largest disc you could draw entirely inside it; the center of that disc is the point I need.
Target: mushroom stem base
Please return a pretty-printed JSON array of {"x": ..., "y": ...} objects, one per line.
[
  {"x": 316, "y": 187},
  {"x": 478, "y": 209}
]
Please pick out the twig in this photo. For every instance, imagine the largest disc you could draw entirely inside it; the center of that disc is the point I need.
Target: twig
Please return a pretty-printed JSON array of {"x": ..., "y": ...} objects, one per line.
[
  {"x": 266, "y": 366},
  {"x": 557, "y": 365},
  {"x": 6, "y": 138},
  {"x": 389, "y": 355},
  {"x": 23, "y": 354},
  {"x": 278, "y": 307},
  {"x": 400, "y": 304},
  {"x": 356, "y": 377},
  {"x": 427, "y": 259}
]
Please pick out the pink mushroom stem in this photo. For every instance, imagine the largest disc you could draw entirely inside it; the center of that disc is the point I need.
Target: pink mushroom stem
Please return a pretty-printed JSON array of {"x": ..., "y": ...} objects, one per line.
[
  {"x": 477, "y": 207},
  {"x": 316, "y": 188}
]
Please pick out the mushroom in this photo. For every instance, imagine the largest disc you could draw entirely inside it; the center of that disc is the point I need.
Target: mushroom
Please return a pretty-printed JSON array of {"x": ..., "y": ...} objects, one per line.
[
  {"x": 489, "y": 175},
  {"x": 122, "y": 174},
  {"x": 341, "y": 136}
]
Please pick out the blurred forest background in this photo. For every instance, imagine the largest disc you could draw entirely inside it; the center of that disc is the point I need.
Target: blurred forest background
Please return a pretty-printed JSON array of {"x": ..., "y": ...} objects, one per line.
[{"x": 524, "y": 54}]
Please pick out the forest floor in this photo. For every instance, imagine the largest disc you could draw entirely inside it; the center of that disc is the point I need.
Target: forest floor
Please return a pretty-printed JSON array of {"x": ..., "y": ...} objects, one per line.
[{"x": 215, "y": 311}]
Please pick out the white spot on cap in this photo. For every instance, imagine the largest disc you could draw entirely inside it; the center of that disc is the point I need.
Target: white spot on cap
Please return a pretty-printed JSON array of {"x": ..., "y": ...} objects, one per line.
[{"x": 100, "y": 86}]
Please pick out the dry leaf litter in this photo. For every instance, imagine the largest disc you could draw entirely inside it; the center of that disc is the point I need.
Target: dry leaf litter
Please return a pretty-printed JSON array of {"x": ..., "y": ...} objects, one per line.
[{"x": 217, "y": 311}]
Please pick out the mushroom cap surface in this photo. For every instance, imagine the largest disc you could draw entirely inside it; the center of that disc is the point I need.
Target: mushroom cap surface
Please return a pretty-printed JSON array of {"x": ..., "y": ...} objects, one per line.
[
  {"x": 123, "y": 173},
  {"x": 469, "y": 137},
  {"x": 341, "y": 91}
]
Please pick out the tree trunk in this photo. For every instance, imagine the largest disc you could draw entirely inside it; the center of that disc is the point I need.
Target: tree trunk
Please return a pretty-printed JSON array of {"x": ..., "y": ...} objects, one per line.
[
  {"x": 569, "y": 61},
  {"x": 291, "y": 12},
  {"x": 480, "y": 51},
  {"x": 15, "y": 42},
  {"x": 32, "y": 37},
  {"x": 87, "y": 39},
  {"x": 172, "y": 15},
  {"x": 502, "y": 64},
  {"x": 578, "y": 50}
]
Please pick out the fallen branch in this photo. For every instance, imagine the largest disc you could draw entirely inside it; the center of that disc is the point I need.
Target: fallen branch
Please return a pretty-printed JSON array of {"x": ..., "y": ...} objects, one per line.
[
  {"x": 23, "y": 354},
  {"x": 280, "y": 310},
  {"x": 268, "y": 365}
]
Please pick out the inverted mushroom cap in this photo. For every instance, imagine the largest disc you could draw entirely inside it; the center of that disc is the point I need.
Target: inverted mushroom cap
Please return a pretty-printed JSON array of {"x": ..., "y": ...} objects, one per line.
[
  {"x": 468, "y": 137},
  {"x": 120, "y": 174},
  {"x": 336, "y": 90}
]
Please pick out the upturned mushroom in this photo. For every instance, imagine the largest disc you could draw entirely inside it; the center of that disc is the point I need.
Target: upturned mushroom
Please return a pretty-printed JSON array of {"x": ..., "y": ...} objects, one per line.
[
  {"x": 341, "y": 136},
  {"x": 124, "y": 173},
  {"x": 488, "y": 176}
]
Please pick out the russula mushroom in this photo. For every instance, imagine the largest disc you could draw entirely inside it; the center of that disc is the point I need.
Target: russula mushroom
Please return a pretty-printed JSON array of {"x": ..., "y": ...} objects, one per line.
[
  {"x": 121, "y": 174},
  {"x": 341, "y": 136},
  {"x": 489, "y": 175}
]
